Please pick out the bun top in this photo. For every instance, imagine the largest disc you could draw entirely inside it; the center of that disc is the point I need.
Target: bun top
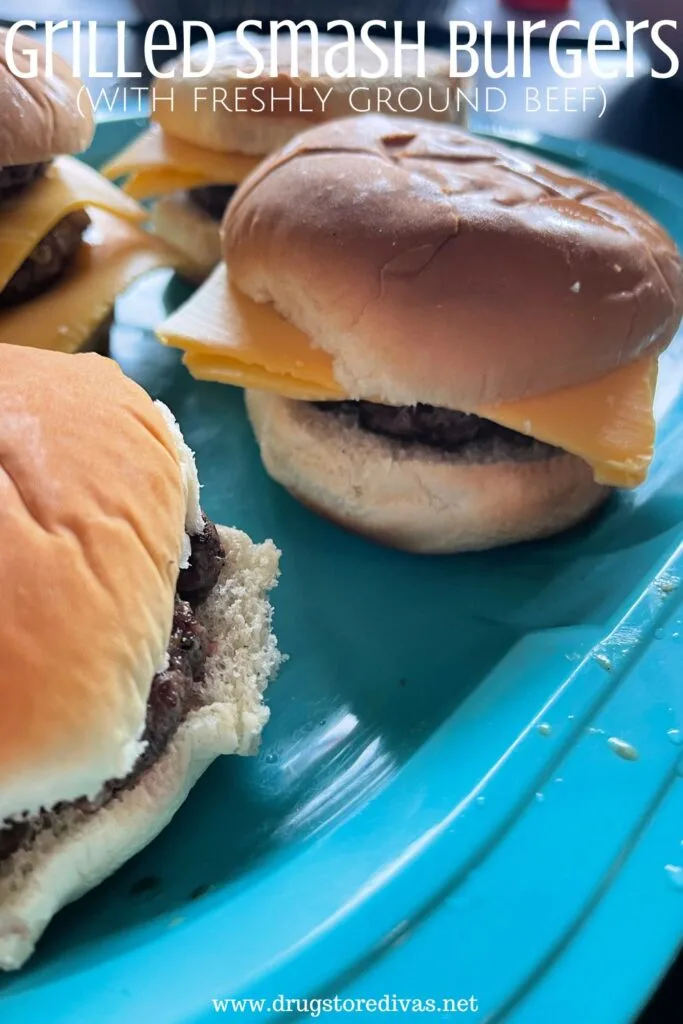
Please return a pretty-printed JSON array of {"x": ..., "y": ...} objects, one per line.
[
  {"x": 217, "y": 115},
  {"x": 443, "y": 268},
  {"x": 39, "y": 117},
  {"x": 92, "y": 510}
]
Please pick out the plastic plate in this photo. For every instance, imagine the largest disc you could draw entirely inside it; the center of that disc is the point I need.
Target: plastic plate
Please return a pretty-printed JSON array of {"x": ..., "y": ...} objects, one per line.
[{"x": 471, "y": 784}]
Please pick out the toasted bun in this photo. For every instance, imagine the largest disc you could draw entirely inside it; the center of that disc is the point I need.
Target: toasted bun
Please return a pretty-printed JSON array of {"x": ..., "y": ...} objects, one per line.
[
  {"x": 39, "y": 116},
  {"x": 442, "y": 268},
  {"x": 233, "y": 114},
  {"x": 417, "y": 498},
  {"x": 186, "y": 227},
  {"x": 92, "y": 514},
  {"x": 80, "y": 850}
]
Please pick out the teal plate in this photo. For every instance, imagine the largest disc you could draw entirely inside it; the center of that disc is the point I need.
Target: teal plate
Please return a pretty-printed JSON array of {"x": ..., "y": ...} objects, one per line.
[{"x": 471, "y": 787}]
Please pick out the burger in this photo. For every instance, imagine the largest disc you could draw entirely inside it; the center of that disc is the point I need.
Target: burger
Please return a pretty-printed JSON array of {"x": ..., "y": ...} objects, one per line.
[
  {"x": 69, "y": 240},
  {"x": 208, "y": 133},
  {"x": 446, "y": 345},
  {"x": 136, "y": 633}
]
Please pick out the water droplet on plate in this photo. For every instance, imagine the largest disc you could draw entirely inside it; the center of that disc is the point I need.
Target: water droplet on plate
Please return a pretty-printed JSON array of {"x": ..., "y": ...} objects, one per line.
[
  {"x": 270, "y": 758},
  {"x": 544, "y": 728},
  {"x": 481, "y": 800},
  {"x": 675, "y": 735},
  {"x": 675, "y": 875},
  {"x": 539, "y": 797},
  {"x": 559, "y": 779},
  {"x": 622, "y": 749},
  {"x": 594, "y": 731},
  {"x": 571, "y": 717},
  {"x": 659, "y": 634}
]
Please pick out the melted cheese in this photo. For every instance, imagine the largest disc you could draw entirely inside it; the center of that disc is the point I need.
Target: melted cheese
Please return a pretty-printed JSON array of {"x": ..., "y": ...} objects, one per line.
[
  {"x": 68, "y": 185},
  {"x": 113, "y": 255},
  {"x": 159, "y": 162},
  {"x": 226, "y": 337}
]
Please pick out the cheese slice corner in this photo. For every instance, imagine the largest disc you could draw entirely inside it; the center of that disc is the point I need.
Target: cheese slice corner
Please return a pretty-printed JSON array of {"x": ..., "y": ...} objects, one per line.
[
  {"x": 608, "y": 422},
  {"x": 159, "y": 164},
  {"x": 226, "y": 337},
  {"x": 113, "y": 254},
  {"x": 229, "y": 338},
  {"x": 147, "y": 184}
]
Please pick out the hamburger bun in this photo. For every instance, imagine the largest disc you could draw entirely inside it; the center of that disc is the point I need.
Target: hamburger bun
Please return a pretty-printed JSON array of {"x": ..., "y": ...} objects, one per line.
[
  {"x": 39, "y": 116},
  {"x": 181, "y": 223},
  {"x": 417, "y": 498},
  {"x": 194, "y": 118},
  {"x": 110, "y": 555},
  {"x": 442, "y": 268},
  {"x": 99, "y": 495}
]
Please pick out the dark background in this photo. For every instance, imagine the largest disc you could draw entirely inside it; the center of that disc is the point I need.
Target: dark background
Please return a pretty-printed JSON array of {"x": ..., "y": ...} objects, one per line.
[{"x": 643, "y": 115}]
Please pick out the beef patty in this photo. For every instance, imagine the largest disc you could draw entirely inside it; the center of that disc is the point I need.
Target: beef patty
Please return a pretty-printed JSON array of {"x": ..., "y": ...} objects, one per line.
[
  {"x": 175, "y": 691},
  {"x": 48, "y": 261},
  {"x": 14, "y": 180},
  {"x": 444, "y": 429},
  {"x": 213, "y": 199}
]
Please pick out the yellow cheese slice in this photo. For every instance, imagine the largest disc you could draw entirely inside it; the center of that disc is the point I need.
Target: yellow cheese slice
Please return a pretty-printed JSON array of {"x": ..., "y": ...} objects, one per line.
[
  {"x": 68, "y": 185},
  {"x": 227, "y": 337},
  {"x": 160, "y": 157},
  {"x": 608, "y": 422},
  {"x": 243, "y": 375},
  {"x": 147, "y": 184},
  {"x": 113, "y": 255}
]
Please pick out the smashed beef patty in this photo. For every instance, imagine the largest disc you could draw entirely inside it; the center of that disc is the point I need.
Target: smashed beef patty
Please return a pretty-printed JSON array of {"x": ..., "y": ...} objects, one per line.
[
  {"x": 13, "y": 180},
  {"x": 445, "y": 429},
  {"x": 48, "y": 261},
  {"x": 213, "y": 199},
  {"x": 174, "y": 693}
]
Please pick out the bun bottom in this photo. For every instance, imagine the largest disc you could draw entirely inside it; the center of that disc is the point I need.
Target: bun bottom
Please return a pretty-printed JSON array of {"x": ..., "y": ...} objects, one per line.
[
  {"x": 417, "y": 498},
  {"x": 84, "y": 849},
  {"x": 191, "y": 231}
]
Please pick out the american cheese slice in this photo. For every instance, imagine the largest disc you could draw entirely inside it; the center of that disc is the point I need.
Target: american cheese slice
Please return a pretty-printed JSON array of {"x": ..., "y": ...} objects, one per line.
[
  {"x": 113, "y": 255},
  {"x": 608, "y": 422},
  {"x": 226, "y": 337},
  {"x": 68, "y": 185},
  {"x": 159, "y": 157},
  {"x": 244, "y": 375},
  {"x": 145, "y": 184}
]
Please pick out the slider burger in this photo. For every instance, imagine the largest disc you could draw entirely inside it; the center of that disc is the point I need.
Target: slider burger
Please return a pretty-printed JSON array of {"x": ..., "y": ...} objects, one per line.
[
  {"x": 136, "y": 634},
  {"x": 69, "y": 240},
  {"x": 447, "y": 345},
  {"x": 210, "y": 132}
]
